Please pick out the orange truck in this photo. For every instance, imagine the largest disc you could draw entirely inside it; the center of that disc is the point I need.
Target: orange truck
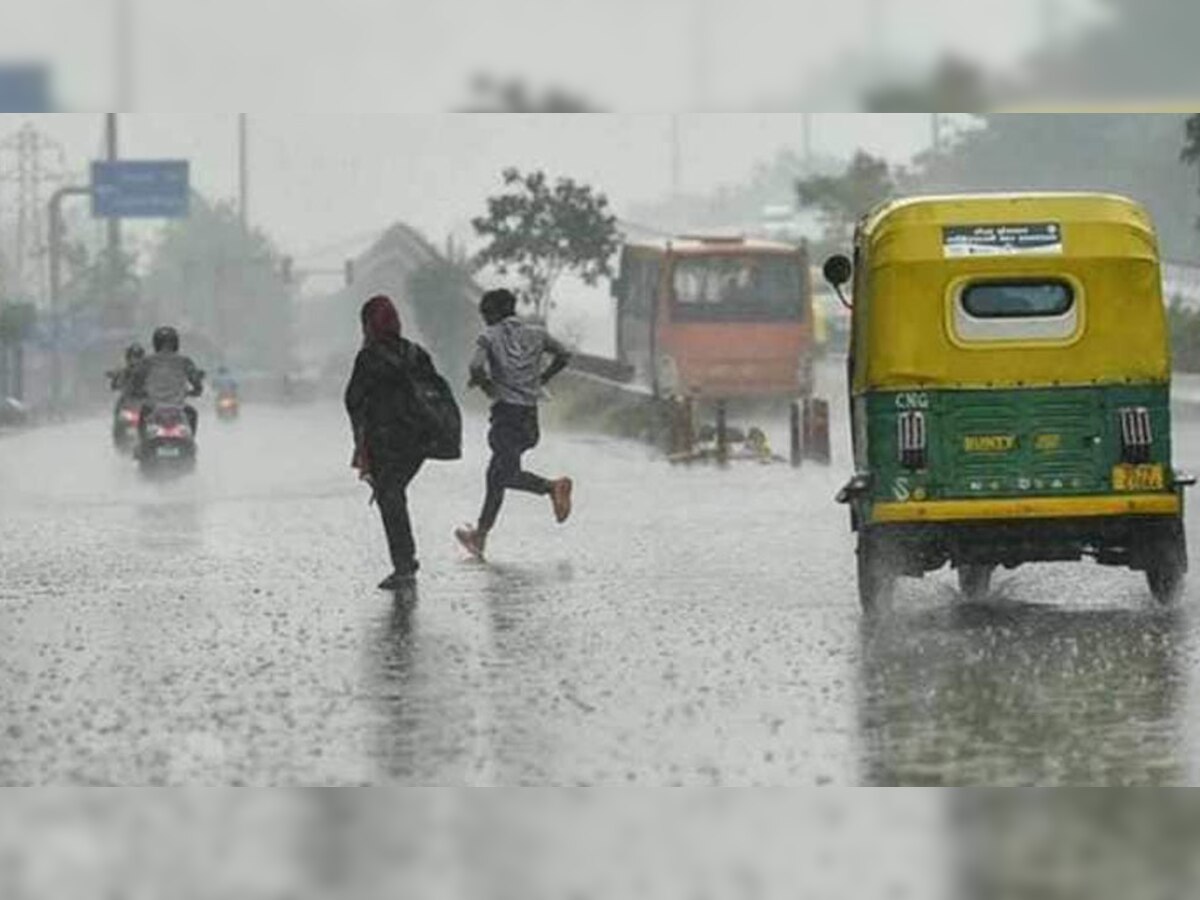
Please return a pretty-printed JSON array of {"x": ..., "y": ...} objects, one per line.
[{"x": 710, "y": 321}]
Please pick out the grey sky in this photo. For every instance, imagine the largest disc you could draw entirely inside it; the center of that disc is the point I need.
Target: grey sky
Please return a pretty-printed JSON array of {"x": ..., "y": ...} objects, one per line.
[
  {"x": 317, "y": 179},
  {"x": 417, "y": 55}
]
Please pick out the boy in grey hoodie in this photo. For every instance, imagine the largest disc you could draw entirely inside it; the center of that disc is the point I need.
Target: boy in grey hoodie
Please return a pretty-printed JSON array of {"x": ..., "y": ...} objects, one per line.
[{"x": 507, "y": 366}]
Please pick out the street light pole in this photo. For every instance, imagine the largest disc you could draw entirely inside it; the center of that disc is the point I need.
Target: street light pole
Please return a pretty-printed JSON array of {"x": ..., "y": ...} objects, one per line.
[
  {"x": 55, "y": 260},
  {"x": 112, "y": 151}
]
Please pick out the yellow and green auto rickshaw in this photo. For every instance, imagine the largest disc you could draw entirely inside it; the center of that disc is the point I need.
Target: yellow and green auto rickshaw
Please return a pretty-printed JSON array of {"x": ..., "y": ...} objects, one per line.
[{"x": 1009, "y": 380}]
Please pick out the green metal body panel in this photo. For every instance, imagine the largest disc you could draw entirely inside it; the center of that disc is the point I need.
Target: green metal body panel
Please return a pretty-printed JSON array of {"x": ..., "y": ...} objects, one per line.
[{"x": 1044, "y": 442}]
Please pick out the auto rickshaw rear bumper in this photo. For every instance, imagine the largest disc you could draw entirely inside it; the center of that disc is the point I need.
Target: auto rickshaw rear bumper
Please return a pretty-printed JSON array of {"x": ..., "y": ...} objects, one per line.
[
  {"x": 1114, "y": 530},
  {"x": 994, "y": 509}
]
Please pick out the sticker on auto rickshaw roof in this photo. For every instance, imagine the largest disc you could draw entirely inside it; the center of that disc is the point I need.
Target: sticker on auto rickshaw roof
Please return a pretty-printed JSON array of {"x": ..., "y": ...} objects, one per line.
[{"x": 1031, "y": 239}]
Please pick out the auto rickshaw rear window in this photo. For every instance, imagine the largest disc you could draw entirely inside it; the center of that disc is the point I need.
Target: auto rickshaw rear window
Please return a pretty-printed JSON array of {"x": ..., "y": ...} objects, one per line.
[{"x": 1018, "y": 299}]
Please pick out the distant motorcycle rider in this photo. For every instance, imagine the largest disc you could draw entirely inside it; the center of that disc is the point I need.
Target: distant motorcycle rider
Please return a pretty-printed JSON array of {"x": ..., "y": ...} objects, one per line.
[
  {"x": 167, "y": 377},
  {"x": 224, "y": 382},
  {"x": 121, "y": 380}
]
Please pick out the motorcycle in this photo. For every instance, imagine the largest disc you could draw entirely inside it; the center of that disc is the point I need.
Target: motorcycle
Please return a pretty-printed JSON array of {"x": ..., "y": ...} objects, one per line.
[
  {"x": 126, "y": 417},
  {"x": 228, "y": 406},
  {"x": 168, "y": 440}
]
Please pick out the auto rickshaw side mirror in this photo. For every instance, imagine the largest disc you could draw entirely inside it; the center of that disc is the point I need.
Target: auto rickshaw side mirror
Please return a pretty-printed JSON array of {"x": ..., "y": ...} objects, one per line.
[{"x": 838, "y": 270}]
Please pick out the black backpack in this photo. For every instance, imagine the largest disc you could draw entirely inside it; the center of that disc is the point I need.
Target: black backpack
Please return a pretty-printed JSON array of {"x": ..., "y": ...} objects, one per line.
[
  {"x": 432, "y": 411},
  {"x": 436, "y": 407}
]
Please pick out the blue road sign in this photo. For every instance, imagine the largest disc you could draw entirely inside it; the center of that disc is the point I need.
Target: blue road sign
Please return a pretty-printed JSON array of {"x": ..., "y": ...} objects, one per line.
[
  {"x": 140, "y": 189},
  {"x": 24, "y": 88}
]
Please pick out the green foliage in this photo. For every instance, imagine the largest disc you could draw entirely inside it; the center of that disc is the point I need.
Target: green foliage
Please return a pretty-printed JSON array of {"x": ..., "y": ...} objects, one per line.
[
  {"x": 1134, "y": 155},
  {"x": 842, "y": 199},
  {"x": 93, "y": 282},
  {"x": 208, "y": 274},
  {"x": 1185, "y": 336},
  {"x": 540, "y": 230},
  {"x": 496, "y": 95},
  {"x": 16, "y": 322},
  {"x": 1191, "y": 147},
  {"x": 955, "y": 85}
]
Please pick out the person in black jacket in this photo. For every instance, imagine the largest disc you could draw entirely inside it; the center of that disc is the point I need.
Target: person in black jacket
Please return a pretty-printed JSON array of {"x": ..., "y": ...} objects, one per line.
[{"x": 389, "y": 436}]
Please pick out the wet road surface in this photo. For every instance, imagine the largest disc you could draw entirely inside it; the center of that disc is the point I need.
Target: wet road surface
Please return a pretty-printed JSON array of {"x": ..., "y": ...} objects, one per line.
[{"x": 689, "y": 627}]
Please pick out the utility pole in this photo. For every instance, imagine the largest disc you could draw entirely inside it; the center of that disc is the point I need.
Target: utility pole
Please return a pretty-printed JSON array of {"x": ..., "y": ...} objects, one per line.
[
  {"x": 55, "y": 254},
  {"x": 37, "y": 162},
  {"x": 112, "y": 152},
  {"x": 243, "y": 173}
]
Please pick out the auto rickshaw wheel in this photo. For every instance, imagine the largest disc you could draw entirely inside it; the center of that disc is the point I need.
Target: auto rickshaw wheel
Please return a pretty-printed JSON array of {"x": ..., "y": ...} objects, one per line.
[
  {"x": 974, "y": 581},
  {"x": 1167, "y": 565},
  {"x": 878, "y": 569}
]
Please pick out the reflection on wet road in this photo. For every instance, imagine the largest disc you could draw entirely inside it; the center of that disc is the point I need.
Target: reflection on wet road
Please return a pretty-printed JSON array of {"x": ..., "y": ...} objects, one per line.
[
  {"x": 1023, "y": 694},
  {"x": 690, "y": 626}
]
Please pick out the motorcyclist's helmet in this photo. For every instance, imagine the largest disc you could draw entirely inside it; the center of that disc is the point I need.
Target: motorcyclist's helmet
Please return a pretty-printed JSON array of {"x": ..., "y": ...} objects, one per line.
[
  {"x": 134, "y": 354},
  {"x": 166, "y": 340}
]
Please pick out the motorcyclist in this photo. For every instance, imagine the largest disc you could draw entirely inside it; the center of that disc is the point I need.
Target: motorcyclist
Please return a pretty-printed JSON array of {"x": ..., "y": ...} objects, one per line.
[
  {"x": 120, "y": 380},
  {"x": 167, "y": 377},
  {"x": 224, "y": 383}
]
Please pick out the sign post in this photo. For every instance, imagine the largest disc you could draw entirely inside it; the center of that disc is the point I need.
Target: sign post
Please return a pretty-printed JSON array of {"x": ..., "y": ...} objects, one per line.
[{"x": 141, "y": 189}]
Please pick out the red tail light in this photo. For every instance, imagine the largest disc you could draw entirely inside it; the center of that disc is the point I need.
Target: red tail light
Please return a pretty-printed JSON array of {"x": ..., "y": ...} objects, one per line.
[{"x": 130, "y": 415}]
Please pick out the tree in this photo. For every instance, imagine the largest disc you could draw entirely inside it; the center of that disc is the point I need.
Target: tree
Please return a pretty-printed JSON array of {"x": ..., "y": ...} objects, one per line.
[
  {"x": 955, "y": 85},
  {"x": 494, "y": 95},
  {"x": 443, "y": 296},
  {"x": 1130, "y": 154},
  {"x": 1191, "y": 147},
  {"x": 541, "y": 230},
  {"x": 842, "y": 199},
  {"x": 210, "y": 275},
  {"x": 16, "y": 324},
  {"x": 1184, "y": 326}
]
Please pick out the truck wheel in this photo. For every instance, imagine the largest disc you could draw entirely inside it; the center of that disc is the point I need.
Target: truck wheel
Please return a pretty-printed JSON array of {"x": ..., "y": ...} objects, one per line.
[
  {"x": 1167, "y": 565},
  {"x": 878, "y": 570},
  {"x": 974, "y": 581}
]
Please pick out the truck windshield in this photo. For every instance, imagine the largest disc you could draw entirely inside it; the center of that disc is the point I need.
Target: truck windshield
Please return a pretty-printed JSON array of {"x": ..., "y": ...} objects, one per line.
[{"x": 738, "y": 289}]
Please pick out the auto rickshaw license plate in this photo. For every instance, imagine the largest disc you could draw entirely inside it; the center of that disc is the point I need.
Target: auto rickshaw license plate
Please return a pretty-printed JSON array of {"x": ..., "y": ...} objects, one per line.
[{"x": 1127, "y": 477}]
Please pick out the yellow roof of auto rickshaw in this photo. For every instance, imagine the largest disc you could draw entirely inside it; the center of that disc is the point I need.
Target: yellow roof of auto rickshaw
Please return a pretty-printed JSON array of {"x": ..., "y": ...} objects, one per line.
[
  {"x": 1064, "y": 208},
  {"x": 903, "y": 328}
]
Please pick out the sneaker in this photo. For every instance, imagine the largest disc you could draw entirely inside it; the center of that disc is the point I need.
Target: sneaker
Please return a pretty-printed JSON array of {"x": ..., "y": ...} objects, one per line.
[
  {"x": 473, "y": 540},
  {"x": 398, "y": 580},
  {"x": 560, "y": 496}
]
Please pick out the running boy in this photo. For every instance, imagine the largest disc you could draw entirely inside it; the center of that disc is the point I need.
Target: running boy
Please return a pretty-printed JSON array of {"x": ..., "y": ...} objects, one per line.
[{"x": 507, "y": 366}]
